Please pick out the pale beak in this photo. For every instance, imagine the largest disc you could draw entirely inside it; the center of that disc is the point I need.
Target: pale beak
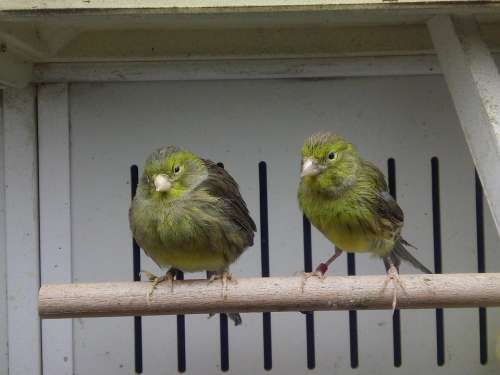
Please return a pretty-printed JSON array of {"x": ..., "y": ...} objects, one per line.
[
  {"x": 162, "y": 183},
  {"x": 310, "y": 168}
]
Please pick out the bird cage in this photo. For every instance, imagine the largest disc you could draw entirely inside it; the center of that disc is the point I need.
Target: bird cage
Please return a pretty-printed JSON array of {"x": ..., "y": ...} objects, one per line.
[{"x": 91, "y": 88}]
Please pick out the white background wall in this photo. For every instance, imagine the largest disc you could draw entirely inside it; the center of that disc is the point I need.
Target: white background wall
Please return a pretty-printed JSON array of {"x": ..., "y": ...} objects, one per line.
[{"x": 240, "y": 123}]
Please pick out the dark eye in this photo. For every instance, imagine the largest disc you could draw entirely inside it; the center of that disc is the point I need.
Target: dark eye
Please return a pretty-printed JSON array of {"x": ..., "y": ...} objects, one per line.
[
  {"x": 177, "y": 169},
  {"x": 331, "y": 155}
]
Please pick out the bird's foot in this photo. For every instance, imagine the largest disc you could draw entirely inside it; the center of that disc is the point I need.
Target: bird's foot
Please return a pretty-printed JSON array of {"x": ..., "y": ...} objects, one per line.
[
  {"x": 319, "y": 272},
  {"x": 393, "y": 277},
  {"x": 225, "y": 277},
  {"x": 155, "y": 280}
]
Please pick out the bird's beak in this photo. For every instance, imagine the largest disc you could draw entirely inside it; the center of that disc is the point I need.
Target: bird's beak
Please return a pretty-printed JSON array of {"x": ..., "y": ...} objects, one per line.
[
  {"x": 310, "y": 168},
  {"x": 162, "y": 183}
]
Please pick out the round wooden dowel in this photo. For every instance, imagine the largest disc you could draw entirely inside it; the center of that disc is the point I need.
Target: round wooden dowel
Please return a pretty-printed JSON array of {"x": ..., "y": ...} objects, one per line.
[{"x": 268, "y": 294}]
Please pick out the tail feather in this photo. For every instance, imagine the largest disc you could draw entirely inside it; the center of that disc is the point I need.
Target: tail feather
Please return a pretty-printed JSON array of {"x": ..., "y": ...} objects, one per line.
[
  {"x": 400, "y": 252},
  {"x": 406, "y": 243}
]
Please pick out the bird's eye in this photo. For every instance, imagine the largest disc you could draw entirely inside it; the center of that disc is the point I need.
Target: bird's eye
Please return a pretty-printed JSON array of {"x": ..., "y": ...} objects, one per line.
[
  {"x": 177, "y": 169},
  {"x": 332, "y": 155}
]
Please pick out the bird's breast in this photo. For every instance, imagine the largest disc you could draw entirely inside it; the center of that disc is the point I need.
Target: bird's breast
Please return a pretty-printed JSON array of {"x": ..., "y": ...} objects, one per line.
[
  {"x": 348, "y": 226},
  {"x": 187, "y": 236},
  {"x": 346, "y": 233}
]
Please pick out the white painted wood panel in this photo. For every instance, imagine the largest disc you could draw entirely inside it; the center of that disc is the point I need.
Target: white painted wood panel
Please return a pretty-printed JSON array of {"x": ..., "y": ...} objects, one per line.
[
  {"x": 362, "y": 66},
  {"x": 4, "y": 358},
  {"x": 241, "y": 123},
  {"x": 21, "y": 225},
  {"x": 55, "y": 218},
  {"x": 474, "y": 84},
  {"x": 161, "y": 6},
  {"x": 359, "y": 66}
]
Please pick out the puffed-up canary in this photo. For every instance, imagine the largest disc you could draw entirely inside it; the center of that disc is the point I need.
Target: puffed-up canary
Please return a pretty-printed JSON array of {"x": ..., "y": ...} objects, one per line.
[
  {"x": 188, "y": 215},
  {"x": 346, "y": 198}
]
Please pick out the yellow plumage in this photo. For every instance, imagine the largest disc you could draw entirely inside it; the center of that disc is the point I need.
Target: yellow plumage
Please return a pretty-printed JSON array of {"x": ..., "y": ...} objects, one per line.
[{"x": 347, "y": 199}]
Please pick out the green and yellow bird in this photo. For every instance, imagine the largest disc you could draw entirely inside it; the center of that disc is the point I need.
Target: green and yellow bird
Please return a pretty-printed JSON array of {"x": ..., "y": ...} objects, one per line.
[
  {"x": 188, "y": 215},
  {"x": 346, "y": 198}
]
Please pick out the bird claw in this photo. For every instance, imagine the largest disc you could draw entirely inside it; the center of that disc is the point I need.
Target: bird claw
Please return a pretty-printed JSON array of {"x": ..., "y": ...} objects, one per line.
[
  {"x": 150, "y": 276},
  {"x": 393, "y": 277},
  {"x": 155, "y": 280},
  {"x": 225, "y": 277},
  {"x": 319, "y": 273}
]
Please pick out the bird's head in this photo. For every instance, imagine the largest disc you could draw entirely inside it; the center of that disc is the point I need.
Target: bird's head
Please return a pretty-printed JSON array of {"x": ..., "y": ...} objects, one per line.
[
  {"x": 328, "y": 162},
  {"x": 170, "y": 172}
]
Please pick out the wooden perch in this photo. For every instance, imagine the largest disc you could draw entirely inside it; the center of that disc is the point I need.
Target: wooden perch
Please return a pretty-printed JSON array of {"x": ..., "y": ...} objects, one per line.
[{"x": 268, "y": 294}]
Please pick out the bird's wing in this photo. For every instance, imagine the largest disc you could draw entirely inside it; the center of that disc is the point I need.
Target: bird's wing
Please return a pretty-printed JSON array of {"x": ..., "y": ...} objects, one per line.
[
  {"x": 388, "y": 208},
  {"x": 377, "y": 177},
  {"x": 220, "y": 184},
  {"x": 389, "y": 216}
]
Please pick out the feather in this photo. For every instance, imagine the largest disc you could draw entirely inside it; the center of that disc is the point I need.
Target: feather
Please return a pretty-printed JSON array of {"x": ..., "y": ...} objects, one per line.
[
  {"x": 401, "y": 253},
  {"x": 221, "y": 185}
]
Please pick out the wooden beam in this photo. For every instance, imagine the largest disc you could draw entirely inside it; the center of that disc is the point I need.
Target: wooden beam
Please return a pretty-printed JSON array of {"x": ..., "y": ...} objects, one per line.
[
  {"x": 236, "y": 69},
  {"x": 474, "y": 84},
  {"x": 157, "y": 6},
  {"x": 268, "y": 294}
]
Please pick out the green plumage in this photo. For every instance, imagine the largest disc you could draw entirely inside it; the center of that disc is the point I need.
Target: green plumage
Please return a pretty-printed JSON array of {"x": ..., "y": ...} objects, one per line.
[
  {"x": 346, "y": 198},
  {"x": 200, "y": 223}
]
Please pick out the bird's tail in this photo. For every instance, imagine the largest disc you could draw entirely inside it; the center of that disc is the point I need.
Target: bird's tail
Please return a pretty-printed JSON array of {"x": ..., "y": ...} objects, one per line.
[{"x": 400, "y": 253}]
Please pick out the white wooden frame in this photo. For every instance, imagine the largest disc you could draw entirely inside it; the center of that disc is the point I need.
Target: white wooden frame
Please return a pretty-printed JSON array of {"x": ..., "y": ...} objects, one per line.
[
  {"x": 474, "y": 83},
  {"x": 159, "y": 5},
  {"x": 55, "y": 218},
  {"x": 21, "y": 227},
  {"x": 4, "y": 359},
  {"x": 361, "y": 66},
  {"x": 236, "y": 69}
]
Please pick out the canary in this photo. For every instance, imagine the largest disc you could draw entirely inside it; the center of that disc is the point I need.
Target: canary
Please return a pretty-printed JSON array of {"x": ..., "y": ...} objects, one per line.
[
  {"x": 188, "y": 214},
  {"x": 346, "y": 198}
]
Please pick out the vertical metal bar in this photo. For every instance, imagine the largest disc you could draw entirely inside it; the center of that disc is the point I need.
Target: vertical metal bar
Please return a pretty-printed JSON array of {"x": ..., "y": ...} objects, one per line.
[
  {"x": 264, "y": 257},
  {"x": 353, "y": 317},
  {"x": 224, "y": 341},
  {"x": 396, "y": 317},
  {"x": 436, "y": 222},
  {"x": 181, "y": 334},
  {"x": 310, "y": 343},
  {"x": 136, "y": 261},
  {"x": 224, "y": 331},
  {"x": 481, "y": 268}
]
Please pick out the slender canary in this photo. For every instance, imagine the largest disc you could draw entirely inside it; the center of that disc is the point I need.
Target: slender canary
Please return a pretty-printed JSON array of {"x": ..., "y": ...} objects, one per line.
[
  {"x": 346, "y": 198},
  {"x": 188, "y": 215}
]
